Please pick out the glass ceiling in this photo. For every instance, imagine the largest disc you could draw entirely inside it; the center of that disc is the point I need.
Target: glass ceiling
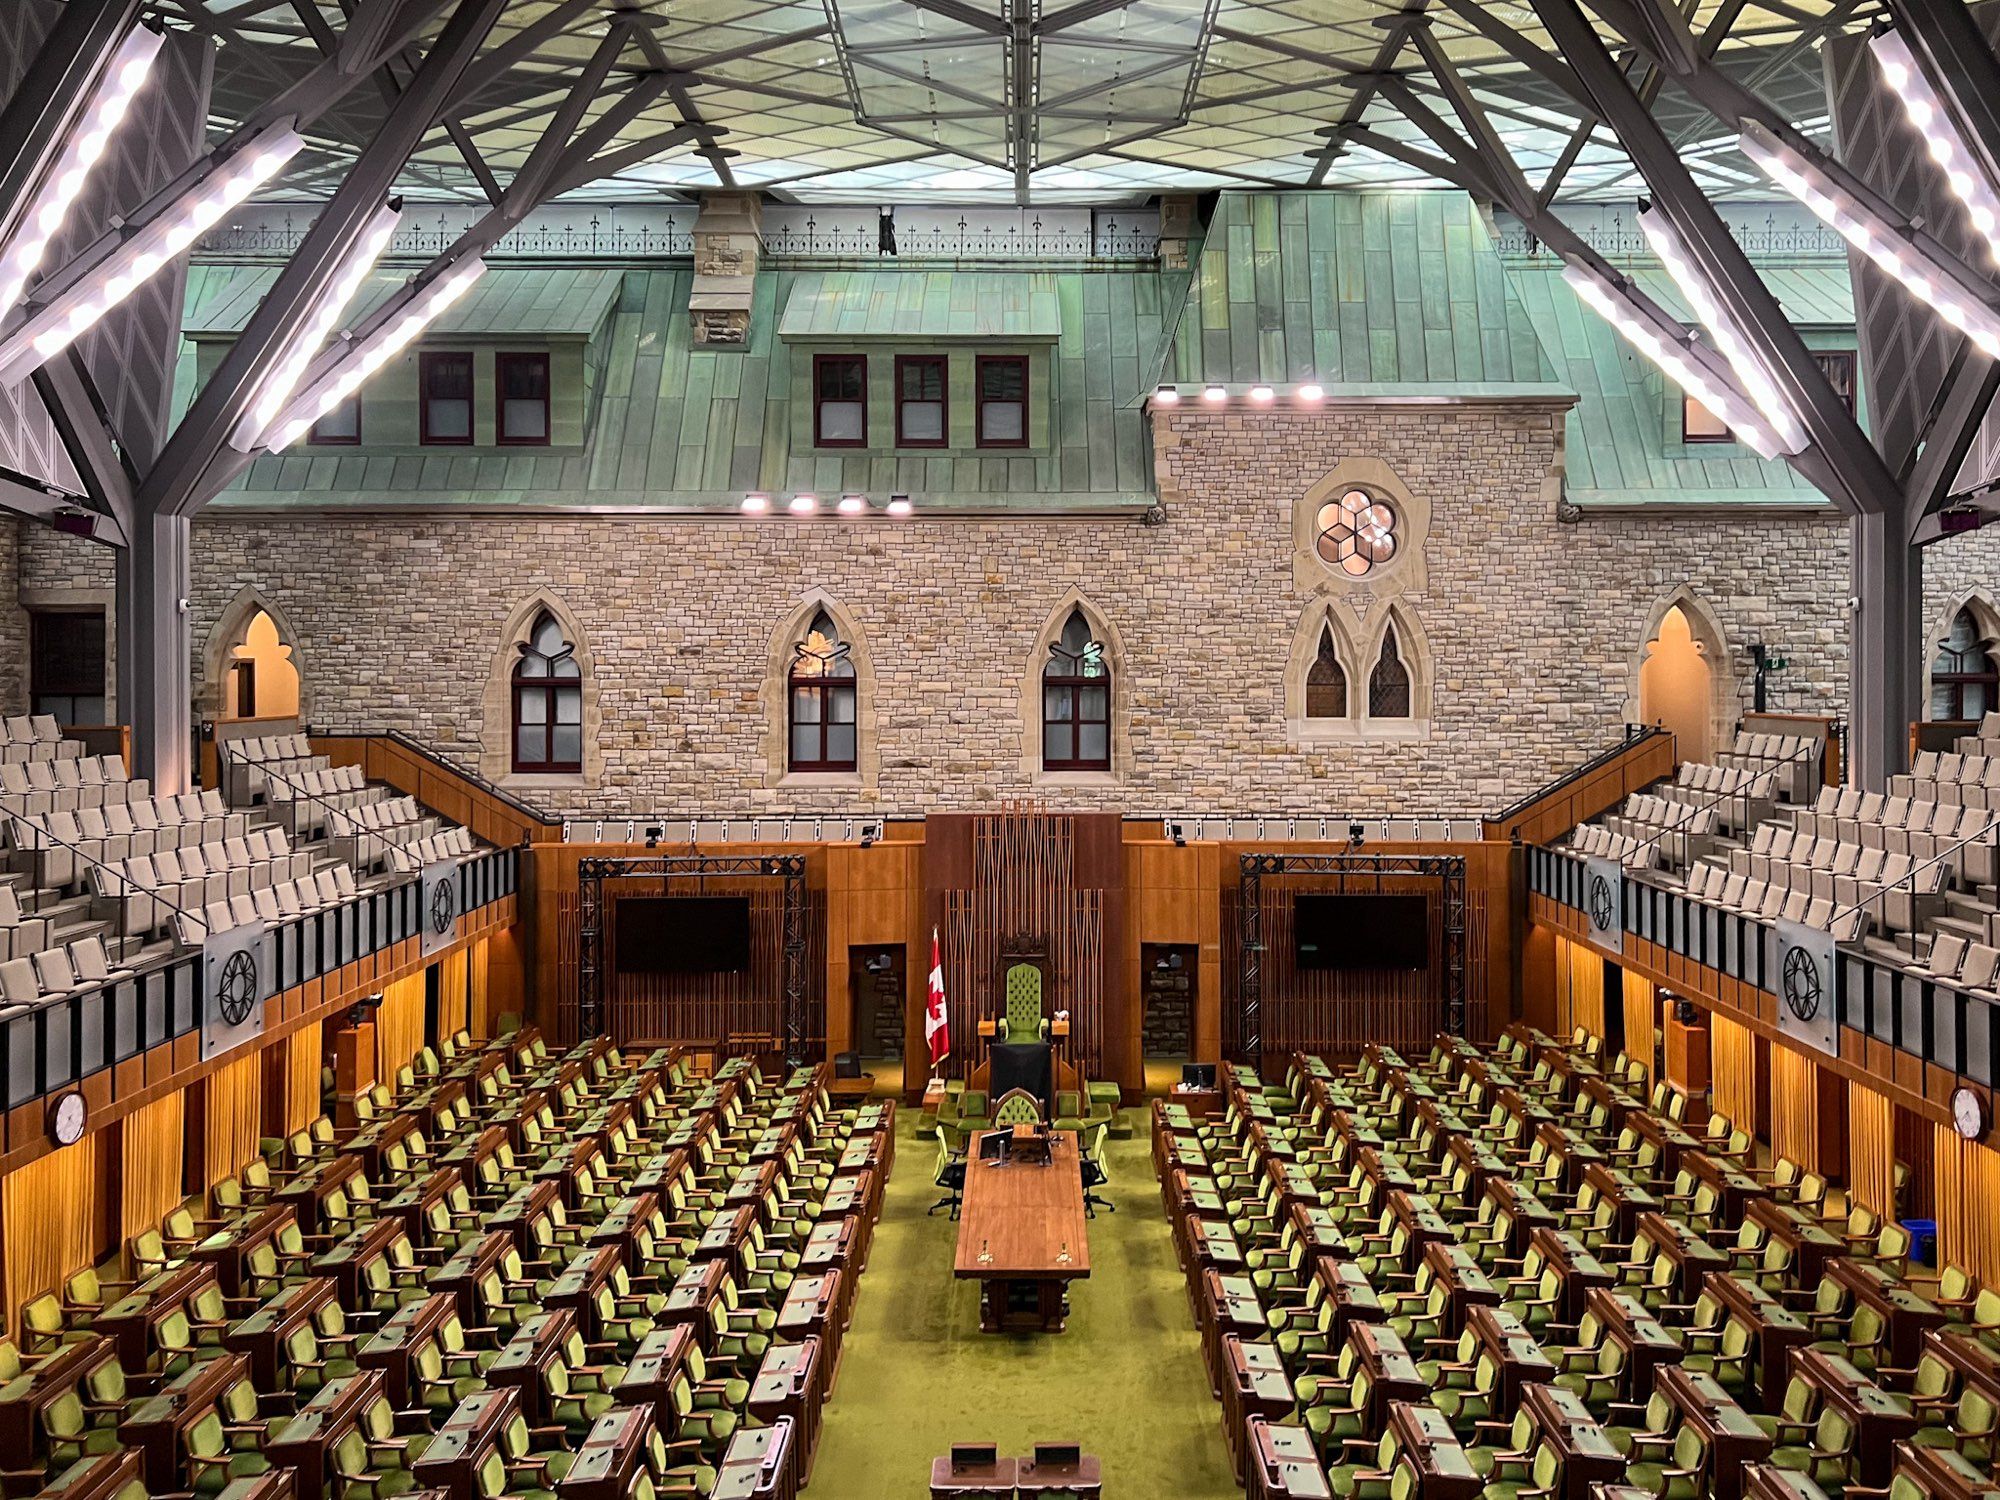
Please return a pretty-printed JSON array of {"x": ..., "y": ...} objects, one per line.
[{"x": 1023, "y": 101}]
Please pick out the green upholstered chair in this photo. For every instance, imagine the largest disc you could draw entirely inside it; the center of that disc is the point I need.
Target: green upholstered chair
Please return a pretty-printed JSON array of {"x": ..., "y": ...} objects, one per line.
[
  {"x": 974, "y": 1113},
  {"x": 1017, "y": 1107},
  {"x": 1069, "y": 1110},
  {"x": 950, "y": 1173},
  {"x": 1021, "y": 986},
  {"x": 1096, "y": 1172}
]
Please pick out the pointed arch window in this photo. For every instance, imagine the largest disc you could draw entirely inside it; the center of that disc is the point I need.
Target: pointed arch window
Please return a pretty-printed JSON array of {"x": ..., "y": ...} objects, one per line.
[
  {"x": 1076, "y": 701},
  {"x": 822, "y": 695},
  {"x": 1389, "y": 683},
  {"x": 548, "y": 702},
  {"x": 1326, "y": 681},
  {"x": 1965, "y": 683}
]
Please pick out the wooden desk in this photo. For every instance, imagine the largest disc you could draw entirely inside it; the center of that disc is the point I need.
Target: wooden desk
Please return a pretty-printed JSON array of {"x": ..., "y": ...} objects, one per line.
[
  {"x": 525, "y": 1360},
  {"x": 431, "y": 1208},
  {"x": 812, "y": 1310},
  {"x": 394, "y": 1348},
  {"x": 311, "y": 1193},
  {"x": 1421, "y": 1224},
  {"x": 1665, "y": 1137},
  {"x": 347, "y": 1262},
  {"x": 1971, "y": 1359},
  {"x": 451, "y": 1459},
  {"x": 649, "y": 1376},
  {"x": 1466, "y": 1285},
  {"x": 24, "y": 1398},
  {"x": 612, "y": 1457},
  {"x": 155, "y": 1426},
  {"x": 788, "y": 1384},
  {"x": 1943, "y": 1474},
  {"x": 691, "y": 1300},
  {"x": 1346, "y": 1286},
  {"x": 1521, "y": 1361},
  {"x": 582, "y": 1283},
  {"x": 1575, "y": 1153},
  {"x": 130, "y": 1322},
  {"x": 1580, "y": 1272},
  {"x": 1693, "y": 1256},
  {"x": 1587, "y": 1453},
  {"x": 1254, "y": 1384},
  {"x": 1734, "y": 1190},
  {"x": 760, "y": 1463},
  {"x": 461, "y": 1275},
  {"x": 1811, "y": 1245},
  {"x": 1774, "y": 1332},
  {"x": 1522, "y": 1211},
  {"x": 971, "y": 1471},
  {"x": 1023, "y": 1226},
  {"x": 1043, "y": 1474},
  {"x": 1908, "y": 1315},
  {"x": 104, "y": 1478},
  {"x": 1392, "y": 1371},
  {"x": 229, "y": 1249},
  {"x": 1646, "y": 1343},
  {"x": 305, "y": 1444},
  {"x": 1615, "y": 1187},
  {"x": 1879, "y": 1419},
  {"x": 261, "y": 1338},
  {"x": 1432, "y": 1451},
  {"x": 1282, "y": 1464},
  {"x": 1732, "y": 1438}
]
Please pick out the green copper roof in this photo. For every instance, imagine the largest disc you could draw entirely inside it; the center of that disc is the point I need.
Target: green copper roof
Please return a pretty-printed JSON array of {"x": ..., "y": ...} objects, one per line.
[
  {"x": 937, "y": 305},
  {"x": 1398, "y": 288},
  {"x": 552, "y": 302}
]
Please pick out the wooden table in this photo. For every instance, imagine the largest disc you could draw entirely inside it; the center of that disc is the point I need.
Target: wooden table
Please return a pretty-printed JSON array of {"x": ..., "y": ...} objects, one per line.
[
  {"x": 1282, "y": 1464},
  {"x": 1427, "y": 1444},
  {"x": 971, "y": 1470},
  {"x": 1566, "y": 1425},
  {"x": 1254, "y": 1384},
  {"x": 1021, "y": 1232},
  {"x": 1908, "y": 1315}
]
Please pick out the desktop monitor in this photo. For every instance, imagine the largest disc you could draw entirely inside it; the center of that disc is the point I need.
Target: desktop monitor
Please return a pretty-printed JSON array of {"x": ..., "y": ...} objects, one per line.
[{"x": 1198, "y": 1075}]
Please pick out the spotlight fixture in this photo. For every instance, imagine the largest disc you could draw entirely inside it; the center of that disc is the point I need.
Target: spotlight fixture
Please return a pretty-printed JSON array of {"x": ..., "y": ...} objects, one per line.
[
  {"x": 1167, "y": 395},
  {"x": 802, "y": 505},
  {"x": 1310, "y": 394},
  {"x": 755, "y": 505},
  {"x": 1697, "y": 369},
  {"x": 1355, "y": 834},
  {"x": 654, "y": 833},
  {"x": 1753, "y": 375},
  {"x": 76, "y": 309},
  {"x": 1924, "y": 268},
  {"x": 392, "y": 331},
  {"x": 1178, "y": 834},
  {"x": 899, "y": 505},
  {"x": 853, "y": 505},
  {"x": 1214, "y": 395},
  {"x": 1260, "y": 395},
  {"x": 284, "y": 380},
  {"x": 1929, "y": 114},
  {"x": 46, "y": 210}
]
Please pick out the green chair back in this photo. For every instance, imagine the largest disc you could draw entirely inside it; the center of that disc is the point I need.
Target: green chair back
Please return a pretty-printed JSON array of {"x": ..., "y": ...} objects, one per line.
[{"x": 1023, "y": 989}]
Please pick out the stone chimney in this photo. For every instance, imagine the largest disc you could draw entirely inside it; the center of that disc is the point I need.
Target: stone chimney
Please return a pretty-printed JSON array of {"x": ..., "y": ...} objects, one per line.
[{"x": 727, "y": 242}]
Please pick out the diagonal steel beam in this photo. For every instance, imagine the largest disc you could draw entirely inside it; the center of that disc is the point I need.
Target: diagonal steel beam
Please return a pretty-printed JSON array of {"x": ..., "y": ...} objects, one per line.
[
  {"x": 174, "y": 484},
  {"x": 1863, "y": 483},
  {"x": 569, "y": 114},
  {"x": 1398, "y": 28},
  {"x": 85, "y": 432},
  {"x": 1962, "y": 404}
]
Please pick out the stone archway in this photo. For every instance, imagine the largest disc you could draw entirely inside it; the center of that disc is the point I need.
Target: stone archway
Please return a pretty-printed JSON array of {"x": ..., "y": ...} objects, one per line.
[
  {"x": 1682, "y": 677},
  {"x": 252, "y": 659}
]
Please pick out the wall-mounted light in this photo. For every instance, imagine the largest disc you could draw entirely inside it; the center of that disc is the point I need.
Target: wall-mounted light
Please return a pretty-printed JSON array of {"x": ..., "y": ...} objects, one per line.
[
  {"x": 853, "y": 505},
  {"x": 1215, "y": 395},
  {"x": 899, "y": 505},
  {"x": 756, "y": 505},
  {"x": 1260, "y": 395},
  {"x": 1309, "y": 394},
  {"x": 1167, "y": 395},
  {"x": 802, "y": 505}
]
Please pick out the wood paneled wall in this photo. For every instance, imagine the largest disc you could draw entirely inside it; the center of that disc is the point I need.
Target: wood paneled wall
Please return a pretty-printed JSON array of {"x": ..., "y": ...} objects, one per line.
[
  {"x": 1642, "y": 1019},
  {"x": 1968, "y": 1188},
  {"x": 454, "y": 992},
  {"x": 1733, "y": 1071},
  {"x": 399, "y": 1026},
  {"x": 292, "y": 1098},
  {"x": 55, "y": 1216},
  {"x": 150, "y": 1144},
  {"x": 1871, "y": 1149}
]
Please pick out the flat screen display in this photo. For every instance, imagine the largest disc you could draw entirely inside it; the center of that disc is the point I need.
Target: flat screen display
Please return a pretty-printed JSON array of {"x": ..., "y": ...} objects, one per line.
[
  {"x": 1362, "y": 931},
  {"x": 683, "y": 934}
]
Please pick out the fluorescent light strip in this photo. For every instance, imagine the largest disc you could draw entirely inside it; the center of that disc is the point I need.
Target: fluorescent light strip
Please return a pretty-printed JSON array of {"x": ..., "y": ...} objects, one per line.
[
  {"x": 48, "y": 206},
  {"x": 76, "y": 310},
  {"x": 372, "y": 352},
  {"x": 1927, "y": 112},
  {"x": 1753, "y": 376},
  {"x": 1696, "y": 370},
  {"x": 1961, "y": 302},
  {"x": 276, "y": 392}
]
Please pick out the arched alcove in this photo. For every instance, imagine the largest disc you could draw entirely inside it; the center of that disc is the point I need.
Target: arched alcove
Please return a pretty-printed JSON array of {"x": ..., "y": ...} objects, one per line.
[
  {"x": 820, "y": 639},
  {"x": 252, "y": 667},
  {"x": 1046, "y": 667},
  {"x": 1682, "y": 677}
]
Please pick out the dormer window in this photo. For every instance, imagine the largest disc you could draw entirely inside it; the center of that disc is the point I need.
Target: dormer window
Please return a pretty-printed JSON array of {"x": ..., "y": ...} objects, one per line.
[
  {"x": 523, "y": 383},
  {"x": 445, "y": 380},
  {"x": 1003, "y": 400},
  {"x": 840, "y": 400}
]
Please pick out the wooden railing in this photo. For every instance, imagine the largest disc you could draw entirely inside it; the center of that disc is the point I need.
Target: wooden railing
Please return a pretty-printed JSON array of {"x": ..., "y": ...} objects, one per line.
[
  {"x": 1645, "y": 755},
  {"x": 448, "y": 790}
]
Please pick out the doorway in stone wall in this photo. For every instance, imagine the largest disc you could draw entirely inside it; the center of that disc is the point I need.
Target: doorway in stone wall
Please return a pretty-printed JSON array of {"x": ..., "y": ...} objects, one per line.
[
  {"x": 263, "y": 682},
  {"x": 1167, "y": 978},
  {"x": 875, "y": 988},
  {"x": 1676, "y": 686}
]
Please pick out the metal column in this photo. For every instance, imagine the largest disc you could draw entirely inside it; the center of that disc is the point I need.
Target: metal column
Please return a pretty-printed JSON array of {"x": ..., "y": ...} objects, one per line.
[
  {"x": 1886, "y": 634},
  {"x": 154, "y": 650}
]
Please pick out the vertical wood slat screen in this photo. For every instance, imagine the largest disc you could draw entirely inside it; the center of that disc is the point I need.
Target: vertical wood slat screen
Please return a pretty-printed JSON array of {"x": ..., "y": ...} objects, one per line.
[
  {"x": 150, "y": 1150},
  {"x": 51, "y": 1215},
  {"x": 1733, "y": 1071},
  {"x": 1871, "y": 1149},
  {"x": 399, "y": 1026},
  {"x": 232, "y": 1117},
  {"x": 299, "y": 1100},
  {"x": 1642, "y": 1020},
  {"x": 478, "y": 966},
  {"x": 1968, "y": 1186}
]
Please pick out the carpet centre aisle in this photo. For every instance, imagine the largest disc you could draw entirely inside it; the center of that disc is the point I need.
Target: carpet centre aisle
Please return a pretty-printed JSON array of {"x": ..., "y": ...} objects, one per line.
[{"x": 1126, "y": 1380}]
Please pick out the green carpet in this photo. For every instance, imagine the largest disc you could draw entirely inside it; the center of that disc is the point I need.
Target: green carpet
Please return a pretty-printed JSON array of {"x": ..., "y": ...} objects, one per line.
[{"x": 1125, "y": 1379}]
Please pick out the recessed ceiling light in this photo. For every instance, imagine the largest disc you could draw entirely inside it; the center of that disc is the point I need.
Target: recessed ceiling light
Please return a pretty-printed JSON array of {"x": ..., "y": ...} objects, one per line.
[
  {"x": 1261, "y": 394},
  {"x": 853, "y": 505},
  {"x": 1311, "y": 394}
]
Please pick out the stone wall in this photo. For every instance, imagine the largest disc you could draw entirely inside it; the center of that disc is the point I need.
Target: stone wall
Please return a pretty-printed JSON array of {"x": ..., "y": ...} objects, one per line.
[
  {"x": 13, "y": 623},
  {"x": 1531, "y": 629}
]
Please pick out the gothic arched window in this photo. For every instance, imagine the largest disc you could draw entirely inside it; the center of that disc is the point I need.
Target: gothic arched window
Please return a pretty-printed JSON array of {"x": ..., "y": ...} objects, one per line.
[
  {"x": 1389, "y": 683},
  {"x": 1076, "y": 701},
  {"x": 548, "y": 702},
  {"x": 1965, "y": 684},
  {"x": 1326, "y": 681},
  {"x": 822, "y": 694}
]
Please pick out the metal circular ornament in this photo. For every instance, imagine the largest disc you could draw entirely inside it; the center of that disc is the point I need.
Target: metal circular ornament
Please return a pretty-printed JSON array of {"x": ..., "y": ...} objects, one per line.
[
  {"x": 1801, "y": 982},
  {"x": 444, "y": 908},
  {"x": 237, "y": 991},
  {"x": 1600, "y": 902}
]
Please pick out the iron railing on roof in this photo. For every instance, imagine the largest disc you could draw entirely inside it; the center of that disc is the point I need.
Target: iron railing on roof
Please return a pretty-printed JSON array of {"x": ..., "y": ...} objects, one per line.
[
  {"x": 1105, "y": 239},
  {"x": 1619, "y": 237},
  {"x": 592, "y": 238}
]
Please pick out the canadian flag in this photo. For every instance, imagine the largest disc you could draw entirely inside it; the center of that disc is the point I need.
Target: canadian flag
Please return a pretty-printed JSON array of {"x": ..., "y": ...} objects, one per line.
[{"x": 937, "y": 1026}]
